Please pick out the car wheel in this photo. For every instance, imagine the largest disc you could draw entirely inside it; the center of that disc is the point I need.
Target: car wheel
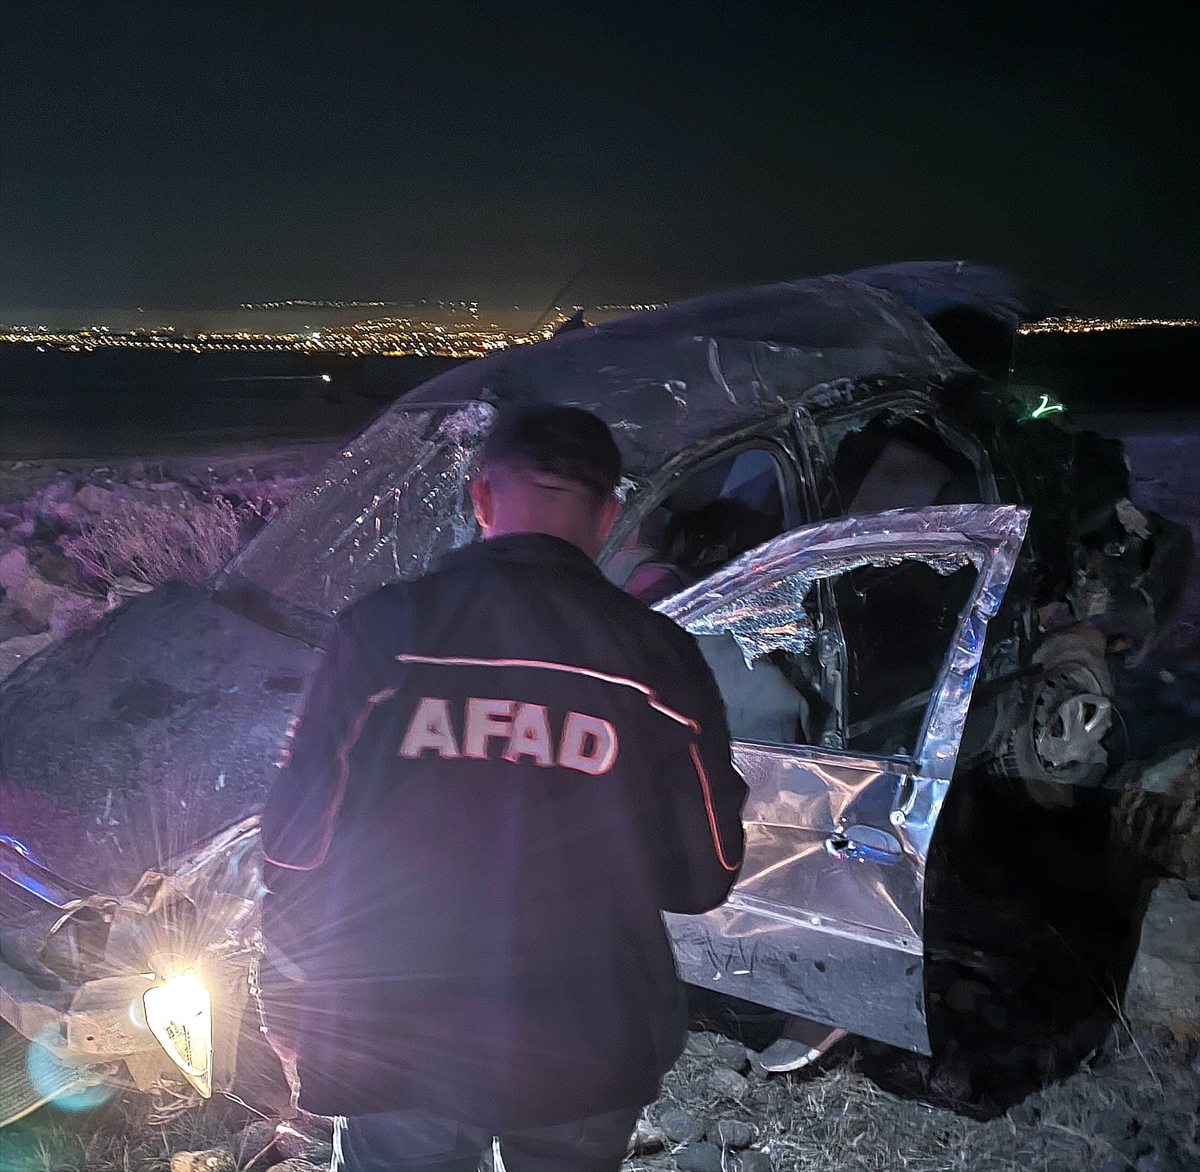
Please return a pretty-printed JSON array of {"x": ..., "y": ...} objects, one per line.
[{"x": 1059, "y": 745}]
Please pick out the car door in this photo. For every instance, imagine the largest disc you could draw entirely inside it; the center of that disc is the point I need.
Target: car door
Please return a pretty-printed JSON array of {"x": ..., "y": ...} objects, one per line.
[{"x": 847, "y": 775}]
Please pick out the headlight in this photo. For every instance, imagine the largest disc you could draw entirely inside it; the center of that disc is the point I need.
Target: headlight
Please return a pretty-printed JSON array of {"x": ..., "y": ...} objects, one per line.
[{"x": 179, "y": 1014}]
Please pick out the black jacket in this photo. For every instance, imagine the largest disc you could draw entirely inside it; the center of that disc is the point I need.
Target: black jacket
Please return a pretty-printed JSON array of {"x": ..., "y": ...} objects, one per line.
[{"x": 503, "y": 772}]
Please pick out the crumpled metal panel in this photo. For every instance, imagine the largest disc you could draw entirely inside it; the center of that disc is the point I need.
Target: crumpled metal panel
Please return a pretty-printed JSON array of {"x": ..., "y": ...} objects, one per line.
[
  {"x": 381, "y": 511},
  {"x": 827, "y": 917},
  {"x": 931, "y": 286},
  {"x": 202, "y": 911},
  {"x": 671, "y": 378},
  {"x": 670, "y": 382}
]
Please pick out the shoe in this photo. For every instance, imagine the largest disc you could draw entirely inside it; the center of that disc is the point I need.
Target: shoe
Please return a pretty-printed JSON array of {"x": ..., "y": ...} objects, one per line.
[{"x": 801, "y": 1043}]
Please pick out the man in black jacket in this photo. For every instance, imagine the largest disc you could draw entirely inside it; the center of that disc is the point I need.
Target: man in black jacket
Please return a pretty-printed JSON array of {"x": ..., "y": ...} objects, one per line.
[{"x": 504, "y": 771}]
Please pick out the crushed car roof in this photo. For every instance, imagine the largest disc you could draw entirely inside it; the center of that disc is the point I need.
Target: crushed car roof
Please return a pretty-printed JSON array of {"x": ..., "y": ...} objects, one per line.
[
  {"x": 668, "y": 382},
  {"x": 667, "y": 378}
]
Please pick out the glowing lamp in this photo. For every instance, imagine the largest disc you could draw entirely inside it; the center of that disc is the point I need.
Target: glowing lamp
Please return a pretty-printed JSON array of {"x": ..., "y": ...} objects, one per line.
[{"x": 179, "y": 1014}]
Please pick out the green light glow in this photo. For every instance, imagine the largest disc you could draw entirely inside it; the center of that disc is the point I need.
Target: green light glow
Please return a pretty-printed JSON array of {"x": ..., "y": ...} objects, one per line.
[{"x": 1046, "y": 407}]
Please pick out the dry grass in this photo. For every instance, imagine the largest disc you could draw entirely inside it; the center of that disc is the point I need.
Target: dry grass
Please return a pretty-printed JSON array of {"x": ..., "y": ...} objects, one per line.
[
  {"x": 127, "y": 1135},
  {"x": 157, "y": 544},
  {"x": 828, "y": 1120},
  {"x": 834, "y": 1119}
]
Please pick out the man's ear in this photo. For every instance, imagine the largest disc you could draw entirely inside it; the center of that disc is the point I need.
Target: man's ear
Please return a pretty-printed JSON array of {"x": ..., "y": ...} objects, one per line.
[
  {"x": 608, "y": 516},
  {"x": 482, "y": 501}
]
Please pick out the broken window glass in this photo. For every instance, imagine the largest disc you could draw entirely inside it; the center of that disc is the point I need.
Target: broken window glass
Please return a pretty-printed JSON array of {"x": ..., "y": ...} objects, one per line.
[
  {"x": 849, "y": 661},
  {"x": 897, "y": 622},
  {"x": 899, "y": 463},
  {"x": 385, "y": 509}
]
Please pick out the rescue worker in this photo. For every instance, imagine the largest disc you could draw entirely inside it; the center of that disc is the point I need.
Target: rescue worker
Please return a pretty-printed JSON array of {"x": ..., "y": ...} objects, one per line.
[{"x": 503, "y": 772}]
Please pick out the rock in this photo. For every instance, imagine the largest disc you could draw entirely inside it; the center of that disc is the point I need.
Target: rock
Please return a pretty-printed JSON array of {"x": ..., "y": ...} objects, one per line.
[
  {"x": 210, "y": 1160},
  {"x": 1164, "y": 982},
  {"x": 679, "y": 1126},
  {"x": 699, "y": 1157},
  {"x": 296, "y": 1164},
  {"x": 292, "y": 1143},
  {"x": 733, "y": 1055},
  {"x": 57, "y": 518},
  {"x": 56, "y": 569},
  {"x": 14, "y": 570},
  {"x": 752, "y": 1162},
  {"x": 94, "y": 499},
  {"x": 1163, "y": 776},
  {"x": 57, "y": 492},
  {"x": 1113, "y": 1123},
  {"x": 1161, "y": 1161},
  {"x": 9, "y": 627},
  {"x": 252, "y": 1139},
  {"x": 14, "y": 652},
  {"x": 728, "y": 1084},
  {"x": 731, "y": 1133},
  {"x": 123, "y": 588},
  {"x": 700, "y": 1044},
  {"x": 1158, "y": 819},
  {"x": 33, "y": 604},
  {"x": 646, "y": 1138},
  {"x": 75, "y": 612}
]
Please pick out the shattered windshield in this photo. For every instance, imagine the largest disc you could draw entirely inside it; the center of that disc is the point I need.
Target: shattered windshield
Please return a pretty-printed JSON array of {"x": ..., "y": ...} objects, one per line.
[{"x": 383, "y": 510}]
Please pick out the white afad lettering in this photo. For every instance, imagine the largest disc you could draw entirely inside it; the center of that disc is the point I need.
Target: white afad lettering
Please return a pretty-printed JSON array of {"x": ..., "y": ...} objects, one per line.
[
  {"x": 485, "y": 719},
  {"x": 588, "y": 744},
  {"x": 530, "y": 736},
  {"x": 430, "y": 729}
]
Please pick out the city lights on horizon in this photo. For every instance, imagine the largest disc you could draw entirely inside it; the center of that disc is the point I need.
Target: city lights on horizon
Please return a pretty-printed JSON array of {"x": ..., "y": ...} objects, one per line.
[
  {"x": 1091, "y": 325},
  {"x": 410, "y": 335}
]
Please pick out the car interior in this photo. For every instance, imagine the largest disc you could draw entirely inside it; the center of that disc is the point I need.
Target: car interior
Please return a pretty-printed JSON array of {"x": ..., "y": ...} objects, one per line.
[{"x": 863, "y": 687}]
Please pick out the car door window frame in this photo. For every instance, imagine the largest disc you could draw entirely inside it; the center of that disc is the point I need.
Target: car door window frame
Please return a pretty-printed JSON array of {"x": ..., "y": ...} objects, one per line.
[{"x": 680, "y": 470}]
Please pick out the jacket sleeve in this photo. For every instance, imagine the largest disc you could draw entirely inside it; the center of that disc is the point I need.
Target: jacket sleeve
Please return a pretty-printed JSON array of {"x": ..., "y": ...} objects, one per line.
[
  {"x": 704, "y": 794},
  {"x": 299, "y": 816}
]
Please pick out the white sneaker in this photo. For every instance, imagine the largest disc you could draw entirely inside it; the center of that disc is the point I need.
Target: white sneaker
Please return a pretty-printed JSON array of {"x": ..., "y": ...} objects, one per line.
[{"x": 801, "y": 1043}]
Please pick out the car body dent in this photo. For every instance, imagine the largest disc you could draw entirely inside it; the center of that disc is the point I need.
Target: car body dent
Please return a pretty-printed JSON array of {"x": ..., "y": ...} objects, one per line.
[{"x": 827, "y": 918}]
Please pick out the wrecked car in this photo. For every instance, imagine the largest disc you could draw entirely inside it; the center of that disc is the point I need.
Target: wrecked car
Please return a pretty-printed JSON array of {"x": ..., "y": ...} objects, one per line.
[{"x": 900, "y": 570}]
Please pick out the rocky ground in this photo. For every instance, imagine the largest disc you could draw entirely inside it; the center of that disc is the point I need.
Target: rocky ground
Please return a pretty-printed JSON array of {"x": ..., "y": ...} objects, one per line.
[
  {"x": 1063, "y": 964},
  {"x": 1131, "y": 1105},
  {"x": 77, "y": 537}
]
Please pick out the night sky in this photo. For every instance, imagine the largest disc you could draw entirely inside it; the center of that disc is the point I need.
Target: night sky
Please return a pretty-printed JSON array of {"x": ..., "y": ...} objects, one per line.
[{"x": 200, "y": 154}]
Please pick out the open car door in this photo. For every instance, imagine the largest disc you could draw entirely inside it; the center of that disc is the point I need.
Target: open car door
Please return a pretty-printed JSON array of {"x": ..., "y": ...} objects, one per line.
[{"x": 846, "y": 653}]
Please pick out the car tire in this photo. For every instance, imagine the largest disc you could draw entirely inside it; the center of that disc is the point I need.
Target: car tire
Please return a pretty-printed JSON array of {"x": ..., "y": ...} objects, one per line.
[{"x": 1059, "y": 745}]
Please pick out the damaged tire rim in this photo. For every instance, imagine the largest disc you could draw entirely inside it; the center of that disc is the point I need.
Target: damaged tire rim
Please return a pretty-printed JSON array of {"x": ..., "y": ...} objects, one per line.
[{"x": 1070, "y": 719}]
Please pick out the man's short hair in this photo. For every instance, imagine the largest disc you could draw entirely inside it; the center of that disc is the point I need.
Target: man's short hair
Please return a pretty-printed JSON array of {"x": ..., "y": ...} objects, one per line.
[{"x": 563, "y": 441}]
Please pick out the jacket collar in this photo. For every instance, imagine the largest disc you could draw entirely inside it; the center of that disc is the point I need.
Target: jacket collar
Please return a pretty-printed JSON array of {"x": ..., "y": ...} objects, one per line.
[{"x": 533, "y": 549}]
